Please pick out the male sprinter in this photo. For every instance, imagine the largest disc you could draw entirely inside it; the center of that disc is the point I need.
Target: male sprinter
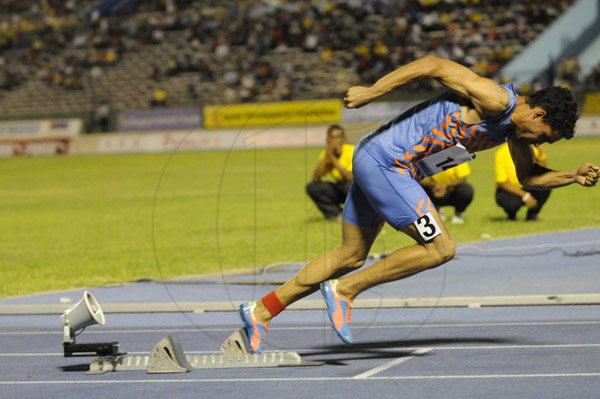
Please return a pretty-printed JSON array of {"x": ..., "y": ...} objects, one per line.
[{"x": 476, "y": 114}]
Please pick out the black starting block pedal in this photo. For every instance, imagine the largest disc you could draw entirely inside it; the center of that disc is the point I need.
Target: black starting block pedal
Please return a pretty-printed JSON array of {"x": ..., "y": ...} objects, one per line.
[{"x": 72, "y": 349}]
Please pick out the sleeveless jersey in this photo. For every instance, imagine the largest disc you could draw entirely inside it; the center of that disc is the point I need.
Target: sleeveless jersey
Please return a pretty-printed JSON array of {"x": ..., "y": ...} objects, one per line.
[{"x": 432, "y": 126}]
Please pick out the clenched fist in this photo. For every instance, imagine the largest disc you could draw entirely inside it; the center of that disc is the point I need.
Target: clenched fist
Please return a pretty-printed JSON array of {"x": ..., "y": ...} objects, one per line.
[
  {"x": 587, "y": 175},
  {"x": 357, "y": 96}
]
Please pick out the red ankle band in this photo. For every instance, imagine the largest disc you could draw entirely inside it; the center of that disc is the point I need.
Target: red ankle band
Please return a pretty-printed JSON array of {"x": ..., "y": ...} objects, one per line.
[{"x": 272, "y": 303}]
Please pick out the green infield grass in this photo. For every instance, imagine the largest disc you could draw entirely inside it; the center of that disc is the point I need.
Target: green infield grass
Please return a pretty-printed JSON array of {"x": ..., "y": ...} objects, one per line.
[{"x": 81, "y": 221}]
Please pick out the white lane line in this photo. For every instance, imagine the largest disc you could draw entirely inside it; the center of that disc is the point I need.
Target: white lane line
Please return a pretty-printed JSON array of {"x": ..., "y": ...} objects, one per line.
[
  {"x": 299, "y": 379},
  {"x": 505, "y": 249},
  {"x": 485, "y": 376},
  {"x": 391, "y": 364},
  {"x": 390, "y": 349},
  {"x": 324, "y": 327},
  {"x": 30, "y": 354},
  {"x": 541, "y": 346}
]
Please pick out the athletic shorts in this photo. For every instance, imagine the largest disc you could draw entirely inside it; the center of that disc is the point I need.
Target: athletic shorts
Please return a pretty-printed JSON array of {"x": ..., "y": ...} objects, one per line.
[{"x": 379, "y": 192}]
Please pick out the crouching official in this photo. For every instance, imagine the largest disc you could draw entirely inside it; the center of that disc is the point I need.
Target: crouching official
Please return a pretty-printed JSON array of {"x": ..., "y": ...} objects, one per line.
[{"x": 333, "y": 174}]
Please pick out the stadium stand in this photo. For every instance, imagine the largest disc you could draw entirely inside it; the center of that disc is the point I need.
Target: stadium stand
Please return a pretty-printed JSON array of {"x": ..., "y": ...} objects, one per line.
[{"x": 66, "y": 57}]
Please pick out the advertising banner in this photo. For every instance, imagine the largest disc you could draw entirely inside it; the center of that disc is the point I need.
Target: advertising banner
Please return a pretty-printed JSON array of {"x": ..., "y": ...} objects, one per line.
[
  {"x": 20, "y": 148},
  {"x": 273, "y": 114},
  {"x": 215, "y": 140},
  {"x": 591, "y": 104},
  {"x": 45, "y": 128},
  {"x": 159, "y": 119},
  {"x": 38, "y": 137}
]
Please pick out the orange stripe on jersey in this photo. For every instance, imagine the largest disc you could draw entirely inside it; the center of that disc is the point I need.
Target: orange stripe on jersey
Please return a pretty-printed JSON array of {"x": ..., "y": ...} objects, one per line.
[
  {"x": 478, "y": 139},
  {"x": 409, "y": 156},
  {"x": 471, "y": 135},
  {"x": 463, "y": 131},
  {"x": 429, "y": 207},
  {"x": 455, "y": 128},
  {"x": 445, "y": 125},
  {"x": 438, "y": 133},
  {"x": 485, "y": 143},
  {"x": 420, "y": 206},
  {"x": 434, "y": 141},
  {"x": 399, "y": 166},
  {"x": 444, "y": 133},
  {"x": 419, "y": 148},
  {"x": 482, "y": 143}
]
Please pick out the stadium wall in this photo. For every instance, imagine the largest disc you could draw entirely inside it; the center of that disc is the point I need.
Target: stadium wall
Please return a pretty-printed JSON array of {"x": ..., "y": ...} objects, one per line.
[
  {"x": 64, "y": 136},
  {"x": 199, "y": 140},
  {"x": 242, "y": 139},
  {"x": 38, "y": 137}
]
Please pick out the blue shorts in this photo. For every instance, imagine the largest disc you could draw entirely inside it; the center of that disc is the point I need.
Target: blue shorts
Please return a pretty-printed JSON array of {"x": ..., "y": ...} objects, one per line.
[{"x": 380, "y": 192}]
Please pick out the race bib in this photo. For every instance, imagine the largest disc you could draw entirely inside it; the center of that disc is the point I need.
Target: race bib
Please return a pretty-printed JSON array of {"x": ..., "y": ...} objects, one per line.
[
  {"x": 427, "y": 227},
  {"x": 442, "y": 160}
]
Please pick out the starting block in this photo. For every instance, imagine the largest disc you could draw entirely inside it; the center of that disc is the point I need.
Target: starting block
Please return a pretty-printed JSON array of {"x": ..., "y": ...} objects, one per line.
[
  {"x": 167, "y": 356},
  {"x": 236, "y": 344}
]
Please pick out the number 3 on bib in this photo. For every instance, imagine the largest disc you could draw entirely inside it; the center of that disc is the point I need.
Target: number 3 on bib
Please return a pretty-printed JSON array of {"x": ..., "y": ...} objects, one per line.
[{"x": 427, "y": 227}]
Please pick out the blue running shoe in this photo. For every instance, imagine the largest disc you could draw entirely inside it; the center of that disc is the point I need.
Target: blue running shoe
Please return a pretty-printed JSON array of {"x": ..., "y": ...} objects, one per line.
[
  {"x": 256, "y": 331},
  {"x": 338, "y": 310}
]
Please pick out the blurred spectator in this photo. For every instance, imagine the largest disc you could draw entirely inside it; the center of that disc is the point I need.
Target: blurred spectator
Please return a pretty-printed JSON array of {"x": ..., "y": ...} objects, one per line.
[
  {"x": 190, "y": 94},
  {"x": 450, "y": 188},
  {"x": 593, "y": 80},
  {"x": 102, "y": 116},
  {"x": 357, "y": 40},
  {"x": 248, "y": 87},
  {"x": 205, "y": 71},
  {"x": 154, "y": 72},
  {"x": 159, "y": 97},
  {"x": 311, "y": 42},
  {"x": 568, "y": 71},
  {"x": 71, "y": 79},
  {"x": 172, "y": 68},
  {"x": 335, "y": 163},
  {"x": 96, "y": 73},
  {"x": 510, "y": 195},
  {"x": 230, "y": 95}
]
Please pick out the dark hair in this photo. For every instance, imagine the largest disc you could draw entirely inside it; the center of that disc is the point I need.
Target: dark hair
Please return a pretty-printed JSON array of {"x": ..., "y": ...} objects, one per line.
[
  {"x": 561, "y": 109},
  {"x": 335, "y": 127}
]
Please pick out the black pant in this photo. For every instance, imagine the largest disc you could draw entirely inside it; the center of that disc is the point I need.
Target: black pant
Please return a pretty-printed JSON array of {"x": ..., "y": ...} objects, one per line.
[
  {"x": 460, "y": 197},
  {"x": 511, "y": 203},
  {"x": 328, "y": 196}
]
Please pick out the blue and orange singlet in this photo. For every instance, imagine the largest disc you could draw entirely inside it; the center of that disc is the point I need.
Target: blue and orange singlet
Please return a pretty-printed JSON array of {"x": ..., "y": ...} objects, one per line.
[
  {"x": 433, "y": 126},
  {"x": 385, "y": 173}
]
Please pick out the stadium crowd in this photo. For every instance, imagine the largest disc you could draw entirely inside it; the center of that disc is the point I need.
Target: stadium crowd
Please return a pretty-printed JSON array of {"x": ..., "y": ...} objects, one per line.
[{"x": 251, "y": 50}]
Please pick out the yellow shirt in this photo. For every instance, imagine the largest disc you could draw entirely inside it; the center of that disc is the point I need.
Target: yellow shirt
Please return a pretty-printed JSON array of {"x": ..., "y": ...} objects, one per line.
[
  {"x": 345, "y": 160},
  {"x": 505, "y": 167},
  {"x": 160, "y": 94},
  {"x": 451, "y": 175}
]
